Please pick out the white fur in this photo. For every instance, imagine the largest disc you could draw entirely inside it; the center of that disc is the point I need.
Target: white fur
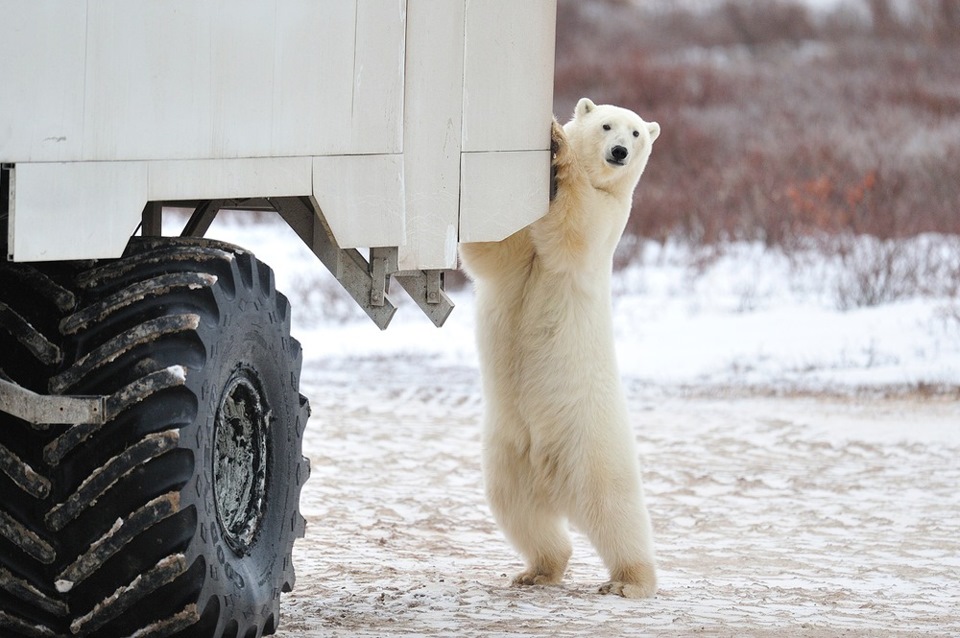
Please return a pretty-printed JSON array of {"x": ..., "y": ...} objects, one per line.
[{"x": 557, "y": 443}]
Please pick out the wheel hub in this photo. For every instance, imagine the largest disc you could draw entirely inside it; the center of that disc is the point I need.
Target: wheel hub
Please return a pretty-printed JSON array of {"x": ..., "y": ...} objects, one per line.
[{"x": 240, "y": 459}]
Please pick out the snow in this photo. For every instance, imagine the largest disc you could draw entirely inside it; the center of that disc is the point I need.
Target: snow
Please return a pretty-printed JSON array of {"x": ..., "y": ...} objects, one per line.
[
  {"x": 739, "y": 316},
  {"x": 800, "y": 461},
  {"x": 178, "y": 372},
  {"x": 821, "y": 516}
]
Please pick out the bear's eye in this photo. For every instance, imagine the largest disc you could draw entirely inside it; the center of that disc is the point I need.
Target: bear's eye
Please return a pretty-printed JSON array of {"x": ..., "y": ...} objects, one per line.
[
  {"x": 606, "y": 127},
  {"x": 636, "y": 133}
]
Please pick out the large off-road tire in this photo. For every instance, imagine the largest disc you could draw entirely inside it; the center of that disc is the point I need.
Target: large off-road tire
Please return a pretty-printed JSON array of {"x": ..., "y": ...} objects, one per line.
[{"x": 176, "y": 517}]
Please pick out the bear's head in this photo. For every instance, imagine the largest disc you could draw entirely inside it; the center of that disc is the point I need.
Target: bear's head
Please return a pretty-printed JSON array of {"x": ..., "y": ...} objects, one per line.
[{"x": 612, "y": 144}]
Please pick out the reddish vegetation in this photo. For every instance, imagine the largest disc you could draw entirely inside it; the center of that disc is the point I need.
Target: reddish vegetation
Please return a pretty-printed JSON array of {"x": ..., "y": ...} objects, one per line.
[{"x": 779, "y": 124}]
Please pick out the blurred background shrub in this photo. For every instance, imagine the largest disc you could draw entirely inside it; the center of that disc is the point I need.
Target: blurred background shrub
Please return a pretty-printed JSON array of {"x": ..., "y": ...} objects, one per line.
[{"x": 782, "y": 120}]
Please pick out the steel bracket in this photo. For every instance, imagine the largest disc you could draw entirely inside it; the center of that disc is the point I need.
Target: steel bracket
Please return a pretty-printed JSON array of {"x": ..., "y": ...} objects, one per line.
[
  {"x": 367, "y": 282},
  {"x": 426, "y": 288},
  {"x": 50, "y": 408}
]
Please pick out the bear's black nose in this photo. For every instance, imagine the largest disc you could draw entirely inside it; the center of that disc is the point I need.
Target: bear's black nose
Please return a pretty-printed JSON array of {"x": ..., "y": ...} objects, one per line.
[{"x": 619, "y": 153}]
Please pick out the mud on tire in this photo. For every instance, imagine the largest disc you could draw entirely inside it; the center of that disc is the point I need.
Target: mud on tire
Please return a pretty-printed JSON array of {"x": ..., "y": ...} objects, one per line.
[{"x": 177, "y": 516}]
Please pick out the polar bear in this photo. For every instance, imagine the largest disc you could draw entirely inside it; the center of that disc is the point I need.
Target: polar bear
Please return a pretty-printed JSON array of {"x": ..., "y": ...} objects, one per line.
[{"x": 557, "y": 444}]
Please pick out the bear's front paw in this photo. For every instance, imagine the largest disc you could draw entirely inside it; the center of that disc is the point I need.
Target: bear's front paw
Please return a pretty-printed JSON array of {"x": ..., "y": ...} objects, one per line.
[
  {"x": 558, "y": 141},
  {"x": 560, "y": 157}
]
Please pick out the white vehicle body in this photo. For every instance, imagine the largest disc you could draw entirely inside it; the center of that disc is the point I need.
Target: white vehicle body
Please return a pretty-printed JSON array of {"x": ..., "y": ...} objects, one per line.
[
  {"x": 151, "y": 421},
  {"x": 412, "y": 124}
]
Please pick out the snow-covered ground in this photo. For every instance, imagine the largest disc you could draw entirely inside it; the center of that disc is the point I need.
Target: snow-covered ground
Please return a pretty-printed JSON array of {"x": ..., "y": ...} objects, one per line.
[
  {"x": 739, "y": 316},
  {"x": 800, "y": 462},
  {"x": 773, "y": 516}
]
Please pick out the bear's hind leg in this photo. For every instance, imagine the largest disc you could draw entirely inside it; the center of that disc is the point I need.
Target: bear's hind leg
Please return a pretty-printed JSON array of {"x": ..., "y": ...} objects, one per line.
[
  {"x": 530, "y": 523},
  {"x": 618, "y": 526},
  {"x": 544, "y": 543},
  {"x": 625, "y": 552}
]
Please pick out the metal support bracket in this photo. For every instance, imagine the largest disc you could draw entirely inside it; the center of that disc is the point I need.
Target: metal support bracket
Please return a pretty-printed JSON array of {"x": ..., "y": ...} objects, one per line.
[
  {"x": 368, "y": 282},
  {"x": 151, "y": 221},
  {"x": 426, "y": 288},
  {"x": 201, "y": 219},
  {"x": 365, "y": 281},
  {"x": 6, "y": 198},
  {"x": 383, "y": 263},
  {"x": 50, "y": 408}
]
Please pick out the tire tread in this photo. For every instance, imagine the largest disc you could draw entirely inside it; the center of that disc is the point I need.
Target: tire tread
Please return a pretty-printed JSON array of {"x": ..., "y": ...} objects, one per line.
[{"x": 109, "y": 517}]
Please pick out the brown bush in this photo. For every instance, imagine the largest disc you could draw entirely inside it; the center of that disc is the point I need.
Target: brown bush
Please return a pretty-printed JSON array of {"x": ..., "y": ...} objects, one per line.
[{"x": 778, "y": 124}]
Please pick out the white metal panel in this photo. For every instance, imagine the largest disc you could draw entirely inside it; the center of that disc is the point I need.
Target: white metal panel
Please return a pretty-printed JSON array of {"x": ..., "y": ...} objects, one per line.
[
  {"x": 361, "y": 197},
  {"x": 333, "y": 101},
  {"x": 227, "y": 179},
  {"x": 151, "y": 81},
  {"x": 378, "y": 70},
  {"x": 76, "y": 210},
  {"x": 200, "y": 79},
  {"x": 86, "y": 210},
  {"x": 508, "y": 74},
  {"x": 507, "y": 107},
  {"x": 313, "y": 85},
  {"x": 89, "y": 209},
  {"x": 431, "y": 128},
  {"x": 502, "y": 192},
  {"x": 41, "y": 79}
]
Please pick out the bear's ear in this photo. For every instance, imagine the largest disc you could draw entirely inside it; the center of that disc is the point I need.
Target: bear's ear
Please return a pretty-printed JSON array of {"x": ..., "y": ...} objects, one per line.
[
  {"x": 654, "y": 129},
  {"x": 584, "y": 106}
]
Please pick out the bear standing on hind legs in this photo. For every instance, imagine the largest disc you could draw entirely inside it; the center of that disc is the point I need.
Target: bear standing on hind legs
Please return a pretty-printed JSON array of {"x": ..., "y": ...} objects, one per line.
[{"x": 557, "y": 444}]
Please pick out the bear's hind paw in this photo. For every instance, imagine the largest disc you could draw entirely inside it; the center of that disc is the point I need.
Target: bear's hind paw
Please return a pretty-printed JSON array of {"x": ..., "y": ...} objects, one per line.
[
  {"x": 535, "y": 577},
  {"x": 629, "y": 590}
]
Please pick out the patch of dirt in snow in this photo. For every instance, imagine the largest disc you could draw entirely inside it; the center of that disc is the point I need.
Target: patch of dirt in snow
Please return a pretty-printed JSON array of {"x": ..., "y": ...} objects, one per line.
[{"x": 810, "y": 516}]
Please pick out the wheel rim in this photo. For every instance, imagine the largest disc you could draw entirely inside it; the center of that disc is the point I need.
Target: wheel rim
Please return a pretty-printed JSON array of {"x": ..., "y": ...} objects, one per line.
[{"x": 240, "y": 455}]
